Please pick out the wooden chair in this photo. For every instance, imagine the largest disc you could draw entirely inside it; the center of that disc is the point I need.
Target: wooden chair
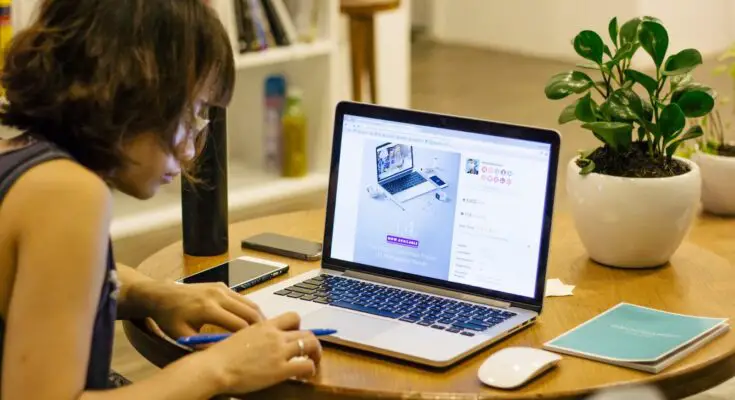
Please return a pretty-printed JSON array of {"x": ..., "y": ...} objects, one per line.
[{"x": 361, "y": 15}]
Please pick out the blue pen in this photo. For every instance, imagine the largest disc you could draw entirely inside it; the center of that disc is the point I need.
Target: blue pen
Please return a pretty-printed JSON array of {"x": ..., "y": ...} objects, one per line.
[{"x": 216, "y": 337}]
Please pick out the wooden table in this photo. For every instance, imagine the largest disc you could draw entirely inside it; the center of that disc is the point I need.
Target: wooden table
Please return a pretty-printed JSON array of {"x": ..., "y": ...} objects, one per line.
[{"x": 697, "y": 281}]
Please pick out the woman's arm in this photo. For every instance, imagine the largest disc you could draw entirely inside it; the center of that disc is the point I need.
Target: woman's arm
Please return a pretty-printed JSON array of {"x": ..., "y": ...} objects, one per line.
[
  {"x": 62, "y": 250},
  {"x": 130, "y": 301},
  {"x": 250, "y": 360},
  {"x": 181, "y": 310},
  {"x": 59, "y": 212}
]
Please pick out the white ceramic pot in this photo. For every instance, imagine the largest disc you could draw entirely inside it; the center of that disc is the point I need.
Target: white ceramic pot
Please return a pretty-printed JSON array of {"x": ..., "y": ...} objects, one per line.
[
  {"x": 632, "y": 222},
  {"x": 718, "y": 182}
]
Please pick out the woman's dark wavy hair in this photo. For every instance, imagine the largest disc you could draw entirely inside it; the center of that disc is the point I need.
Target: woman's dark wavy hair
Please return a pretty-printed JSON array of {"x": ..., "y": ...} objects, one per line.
[{"x": 88, "y": 75}]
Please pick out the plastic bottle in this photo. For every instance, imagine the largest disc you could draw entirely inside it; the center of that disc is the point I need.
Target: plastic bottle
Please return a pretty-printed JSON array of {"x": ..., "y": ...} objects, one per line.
[
  {"x": 6, "y": 30},
  {"x": 295, "y": 161},
  {"x": 275, "y": 100}
]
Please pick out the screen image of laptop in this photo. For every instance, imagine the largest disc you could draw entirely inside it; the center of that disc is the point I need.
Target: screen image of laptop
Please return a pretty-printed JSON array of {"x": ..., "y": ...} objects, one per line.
[
  {"x": 397, "y": 175},
  {"x": 464, "y": 266}
]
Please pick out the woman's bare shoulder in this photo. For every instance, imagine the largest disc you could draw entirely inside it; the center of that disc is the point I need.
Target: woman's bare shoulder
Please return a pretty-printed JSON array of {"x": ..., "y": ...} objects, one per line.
[{"x": 56, "y": 186}]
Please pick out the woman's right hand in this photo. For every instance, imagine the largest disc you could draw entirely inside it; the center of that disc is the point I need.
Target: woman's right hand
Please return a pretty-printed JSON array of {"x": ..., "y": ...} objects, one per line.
[{"x": 265, "y": 354}]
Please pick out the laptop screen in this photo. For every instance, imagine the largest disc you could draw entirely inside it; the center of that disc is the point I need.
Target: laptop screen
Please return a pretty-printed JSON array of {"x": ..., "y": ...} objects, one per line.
[
  {"x": 393, "y": 158},
  {"x": 479, "y": 222}
]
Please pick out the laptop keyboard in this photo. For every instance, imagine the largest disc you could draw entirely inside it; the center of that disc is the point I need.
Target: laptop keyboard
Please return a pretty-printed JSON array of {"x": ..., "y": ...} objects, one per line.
[
  {"x": 417, "y": 308},
  {"x": 407, "y": 182}
]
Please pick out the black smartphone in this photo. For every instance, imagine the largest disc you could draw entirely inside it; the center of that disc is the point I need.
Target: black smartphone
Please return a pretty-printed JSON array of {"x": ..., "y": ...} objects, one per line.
[
  {"x": 440, "y": 183},
  {"x": 240, "y": 273},
  {"x": 284, "y": 246}
]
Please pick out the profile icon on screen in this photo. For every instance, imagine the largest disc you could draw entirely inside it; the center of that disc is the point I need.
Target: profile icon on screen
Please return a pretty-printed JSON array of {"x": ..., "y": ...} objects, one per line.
[{"x": 473, "y": 166}]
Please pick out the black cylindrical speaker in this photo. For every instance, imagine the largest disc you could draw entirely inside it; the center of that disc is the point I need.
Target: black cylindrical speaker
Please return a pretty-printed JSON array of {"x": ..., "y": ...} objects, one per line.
[{"x": 204, "y": 203}]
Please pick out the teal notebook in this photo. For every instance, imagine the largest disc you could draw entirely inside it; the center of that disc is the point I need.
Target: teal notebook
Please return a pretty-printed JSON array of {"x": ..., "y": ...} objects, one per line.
[{"x": 638, "y": 337}]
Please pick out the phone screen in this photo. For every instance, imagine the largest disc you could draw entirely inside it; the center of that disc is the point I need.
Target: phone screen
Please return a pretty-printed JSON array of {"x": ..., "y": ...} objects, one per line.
[
  {"x": 437, "y": 180},
  {"x": 231, "y": 273}
]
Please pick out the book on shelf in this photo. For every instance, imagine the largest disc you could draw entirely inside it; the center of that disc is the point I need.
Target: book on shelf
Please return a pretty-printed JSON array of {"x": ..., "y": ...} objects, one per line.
[
  {"x": 262, "y": 24},
  {"x": 286, "y": 21},
  {"x": 247, "y": 40},
  {"x": 276, "y": 25},
  {"x": 263, "y": 27},
  {"x": 638, "y": 337},
  {"x": 305, "y": 14}
]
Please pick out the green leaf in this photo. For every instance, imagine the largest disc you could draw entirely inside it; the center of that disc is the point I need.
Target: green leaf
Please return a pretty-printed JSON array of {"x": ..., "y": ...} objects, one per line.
[
  {"x": 691, "y": 86},
  {"x": 617, "y": 135},
  {"x": 588, "y": 168},
  {"x": 691, "y": 133},
  {"x": 653, "y": 128},
  {"x": 567, "y": 114},
  {"x": 677, "y": 81},
  {"x": 695, "y": 103},
  {"x": 612, "y": 29},
  {"x": 607, "y": 51},
  {"x": 586, "y": 110},
  {"x": 629, "y": 31},
  {"x": 641, "y": 133},
  {"x": 589, "y": 45},
  {"x": 654, "y": 39},
  {"x": 682, "y": 62},
  {"x": 563, "y": 84},
  {"x": 647, "y": 110},
  {"x": 626, "y": 52},
  {"x": 589, "y": 65},
  {"x": 644, "y": 80},
  {"x": 623, "y": 105},
  {"x": 671, "y": 121}
]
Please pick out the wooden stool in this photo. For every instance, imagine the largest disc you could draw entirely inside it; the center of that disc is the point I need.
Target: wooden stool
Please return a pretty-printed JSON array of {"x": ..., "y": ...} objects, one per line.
[{"x": 361, "y": 14}]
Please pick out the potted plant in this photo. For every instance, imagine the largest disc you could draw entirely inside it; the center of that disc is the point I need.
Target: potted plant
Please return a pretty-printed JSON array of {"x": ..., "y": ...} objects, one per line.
[
  {"x": 715, "y": 156},
  {"x": 632, "y": 199}
]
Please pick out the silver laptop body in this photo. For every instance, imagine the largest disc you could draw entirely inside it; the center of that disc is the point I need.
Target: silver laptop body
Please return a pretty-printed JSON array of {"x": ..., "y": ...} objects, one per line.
[{"x": 442, "y": 275}]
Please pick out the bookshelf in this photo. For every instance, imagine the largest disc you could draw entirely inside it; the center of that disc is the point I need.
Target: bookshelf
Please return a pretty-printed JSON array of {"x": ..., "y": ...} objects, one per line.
[
  {"x": 311, "y": 66},
  {"x": 300, "y": 51}
]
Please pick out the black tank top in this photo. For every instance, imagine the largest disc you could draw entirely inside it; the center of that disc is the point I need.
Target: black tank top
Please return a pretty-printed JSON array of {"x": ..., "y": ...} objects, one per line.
[{"x": 15, "y": 163}]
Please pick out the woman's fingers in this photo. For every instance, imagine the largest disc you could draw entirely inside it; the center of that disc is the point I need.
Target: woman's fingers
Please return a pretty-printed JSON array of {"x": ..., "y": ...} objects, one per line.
[
  {"x": 300, "y": 367},
  {"x": 311, "y": 347},
  {"x": 181, "y": 329},
  {"x": 242, "y": 310},
  {"x": 289, "y": 321},
  {"x": 226, "y": 319},
  {"x": 249, "y": 303}
]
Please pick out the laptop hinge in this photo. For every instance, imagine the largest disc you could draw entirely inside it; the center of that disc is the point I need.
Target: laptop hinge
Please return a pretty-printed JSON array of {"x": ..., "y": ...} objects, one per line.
[{"x": 427, "y": 289}]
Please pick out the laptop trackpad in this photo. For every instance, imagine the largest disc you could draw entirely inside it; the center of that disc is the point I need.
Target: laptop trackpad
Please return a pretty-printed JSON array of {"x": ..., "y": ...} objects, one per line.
[{"x": 350, "y": 326}]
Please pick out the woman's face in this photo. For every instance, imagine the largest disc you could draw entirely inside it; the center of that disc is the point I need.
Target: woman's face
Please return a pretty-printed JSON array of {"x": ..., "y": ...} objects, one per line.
[{"x": 151, "y": 164}]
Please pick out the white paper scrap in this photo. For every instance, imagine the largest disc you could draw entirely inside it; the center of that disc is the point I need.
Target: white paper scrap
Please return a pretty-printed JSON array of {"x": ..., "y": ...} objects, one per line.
[{"x": 556, "y": 288}]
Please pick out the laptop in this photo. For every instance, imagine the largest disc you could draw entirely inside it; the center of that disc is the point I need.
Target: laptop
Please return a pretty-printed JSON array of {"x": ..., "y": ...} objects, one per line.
[
  {"x": 396, "y": 173},
  {"x": 446, "y": 275}
]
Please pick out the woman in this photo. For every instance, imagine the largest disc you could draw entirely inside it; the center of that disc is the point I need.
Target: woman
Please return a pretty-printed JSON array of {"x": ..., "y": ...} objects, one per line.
[{"x": 107, "y": 94}]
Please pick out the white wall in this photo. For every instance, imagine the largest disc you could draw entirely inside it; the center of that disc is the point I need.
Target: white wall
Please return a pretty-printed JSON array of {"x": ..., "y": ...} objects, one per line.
[
  {"x": 545, "y": 28},
  {"x": 21, "y": 12}
]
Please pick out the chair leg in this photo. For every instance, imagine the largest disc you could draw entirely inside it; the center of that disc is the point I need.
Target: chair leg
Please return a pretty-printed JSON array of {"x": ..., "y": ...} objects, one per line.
[
  {"x": 357, "y": 47},
  {"x": 370, "y": 55}
]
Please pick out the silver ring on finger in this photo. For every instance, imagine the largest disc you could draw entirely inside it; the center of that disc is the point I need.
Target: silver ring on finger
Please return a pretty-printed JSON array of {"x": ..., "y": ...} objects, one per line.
[{"x": 302, "y": 352}]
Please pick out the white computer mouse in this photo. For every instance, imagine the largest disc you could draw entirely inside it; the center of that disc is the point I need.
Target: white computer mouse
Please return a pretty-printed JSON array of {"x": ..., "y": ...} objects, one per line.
[{"x": 511, "y": 367}]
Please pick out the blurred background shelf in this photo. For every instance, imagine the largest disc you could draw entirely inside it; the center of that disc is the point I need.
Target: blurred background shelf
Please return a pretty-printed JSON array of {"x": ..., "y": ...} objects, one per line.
[
  {"x": 248, "y": 187},
  {"x": 295, "y": 52}
]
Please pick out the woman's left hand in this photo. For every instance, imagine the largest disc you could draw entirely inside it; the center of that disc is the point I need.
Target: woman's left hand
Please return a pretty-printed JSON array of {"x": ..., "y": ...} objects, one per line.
[{"x": 181, "y": 310}]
